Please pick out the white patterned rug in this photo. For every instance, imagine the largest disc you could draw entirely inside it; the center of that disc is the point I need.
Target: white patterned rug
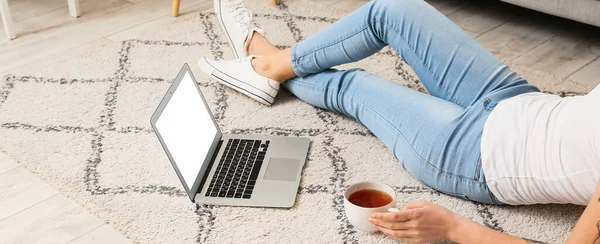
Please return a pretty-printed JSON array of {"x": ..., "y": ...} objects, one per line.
[{"x": 81, "y": 121}]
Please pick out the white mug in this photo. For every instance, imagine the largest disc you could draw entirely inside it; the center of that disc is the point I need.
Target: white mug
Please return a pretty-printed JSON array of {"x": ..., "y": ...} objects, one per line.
[{"x": 359, "y": 216}]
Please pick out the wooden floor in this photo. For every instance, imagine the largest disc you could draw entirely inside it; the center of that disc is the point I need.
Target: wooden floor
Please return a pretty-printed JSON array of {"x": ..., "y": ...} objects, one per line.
[{"x": 32, "y": 211}]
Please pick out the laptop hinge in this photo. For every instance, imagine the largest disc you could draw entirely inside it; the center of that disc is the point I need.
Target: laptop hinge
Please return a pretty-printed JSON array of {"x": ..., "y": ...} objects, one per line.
[{"x": 210, "y": 165}]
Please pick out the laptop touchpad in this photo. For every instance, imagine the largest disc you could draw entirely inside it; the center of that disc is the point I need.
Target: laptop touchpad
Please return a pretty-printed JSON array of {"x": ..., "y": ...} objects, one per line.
[{"x": 282, "y": 169}]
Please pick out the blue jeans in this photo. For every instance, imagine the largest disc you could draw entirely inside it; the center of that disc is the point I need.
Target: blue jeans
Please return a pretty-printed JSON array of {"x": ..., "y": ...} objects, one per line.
[{"x": 436, "y": 137}]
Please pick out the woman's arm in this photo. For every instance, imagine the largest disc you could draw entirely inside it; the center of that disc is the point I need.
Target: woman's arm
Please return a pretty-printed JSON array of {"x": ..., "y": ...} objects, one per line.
[
  {"x": 428, "y": 222},
  {"x": 468, "y": 231},
  {"x": 587, "y": 229}
]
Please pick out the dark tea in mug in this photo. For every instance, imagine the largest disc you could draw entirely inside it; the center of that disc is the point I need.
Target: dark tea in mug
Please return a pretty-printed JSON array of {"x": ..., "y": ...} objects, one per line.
[{"x": 370, "y": 198}]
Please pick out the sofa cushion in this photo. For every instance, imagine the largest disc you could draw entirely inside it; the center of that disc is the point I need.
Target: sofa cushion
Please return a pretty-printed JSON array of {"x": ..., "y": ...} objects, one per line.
[{"x": 585, "y": 11}]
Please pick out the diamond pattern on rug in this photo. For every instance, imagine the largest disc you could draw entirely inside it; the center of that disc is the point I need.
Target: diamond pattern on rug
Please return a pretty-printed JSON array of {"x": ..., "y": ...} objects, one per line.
[
  {"x": 86, "y": 102},
  {"x": 107, "y": 119}
]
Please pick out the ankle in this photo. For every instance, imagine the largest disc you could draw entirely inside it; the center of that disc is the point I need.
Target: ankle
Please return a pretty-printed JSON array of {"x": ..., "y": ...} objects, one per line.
[
  {"x": 249, "y": 45},
  {"x": 264, "y": 67},
  {"x": 257, "y": 44}
]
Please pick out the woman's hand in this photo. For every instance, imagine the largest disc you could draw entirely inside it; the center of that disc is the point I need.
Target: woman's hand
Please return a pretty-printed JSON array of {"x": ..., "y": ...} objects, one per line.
[{"x": 417, "y": 222}]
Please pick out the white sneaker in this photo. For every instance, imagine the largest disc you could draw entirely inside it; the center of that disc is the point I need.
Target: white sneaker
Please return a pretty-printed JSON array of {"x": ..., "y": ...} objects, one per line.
[
  {"x": 236, "y": 21},
  {"x": 239, "y": 75}
]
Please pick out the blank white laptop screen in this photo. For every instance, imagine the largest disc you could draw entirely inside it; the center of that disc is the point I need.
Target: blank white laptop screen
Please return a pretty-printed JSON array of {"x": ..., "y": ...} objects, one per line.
[{"x": 187, "y": 129}]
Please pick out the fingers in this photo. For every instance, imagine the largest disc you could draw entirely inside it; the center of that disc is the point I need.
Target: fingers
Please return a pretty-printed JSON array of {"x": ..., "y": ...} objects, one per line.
[
  {"x": 403, "y": 215},
  {"x": 402, "y": 235},
  {"x": 392, "y": 225},
  {"x": 393, "y": 233}
]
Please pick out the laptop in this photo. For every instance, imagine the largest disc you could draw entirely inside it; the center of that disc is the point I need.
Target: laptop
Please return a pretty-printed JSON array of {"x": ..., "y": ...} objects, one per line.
[{"x": 224, "y": 169}]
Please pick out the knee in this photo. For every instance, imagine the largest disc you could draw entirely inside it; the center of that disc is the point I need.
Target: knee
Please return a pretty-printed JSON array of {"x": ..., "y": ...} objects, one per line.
[
  {"x": 385, "y": 13},
  {"x": 349, "y": 83},
  {"x": 378, "y": 7},
  {"x": 350, "y": 80}
]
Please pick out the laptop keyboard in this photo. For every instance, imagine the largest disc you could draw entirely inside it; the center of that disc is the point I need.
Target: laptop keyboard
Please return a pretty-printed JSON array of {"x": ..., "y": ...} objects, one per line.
[{"x": 238, "y": 169}]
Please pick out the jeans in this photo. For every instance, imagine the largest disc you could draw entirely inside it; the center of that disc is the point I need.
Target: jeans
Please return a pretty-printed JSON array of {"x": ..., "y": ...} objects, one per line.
[{"x": 436, "y": 137}]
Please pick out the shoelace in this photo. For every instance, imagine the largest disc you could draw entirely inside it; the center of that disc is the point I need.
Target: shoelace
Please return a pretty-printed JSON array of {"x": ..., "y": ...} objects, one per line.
[{"x": 241, "y": 14}]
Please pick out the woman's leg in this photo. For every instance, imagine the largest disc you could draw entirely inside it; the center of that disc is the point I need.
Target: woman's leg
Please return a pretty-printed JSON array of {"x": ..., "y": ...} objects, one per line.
[
  {"x": 415, "y": 126},
  {"x": 451, "y": 64},
  {"x": 436, "y": 140}
]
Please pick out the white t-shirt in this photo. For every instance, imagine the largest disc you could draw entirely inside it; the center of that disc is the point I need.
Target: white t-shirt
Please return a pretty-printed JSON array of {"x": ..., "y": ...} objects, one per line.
[{"x": 541, "y": 148}]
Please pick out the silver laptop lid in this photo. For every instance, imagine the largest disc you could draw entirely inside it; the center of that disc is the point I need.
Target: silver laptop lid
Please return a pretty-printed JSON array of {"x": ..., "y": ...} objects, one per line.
[{"x": 187, "y": 130}]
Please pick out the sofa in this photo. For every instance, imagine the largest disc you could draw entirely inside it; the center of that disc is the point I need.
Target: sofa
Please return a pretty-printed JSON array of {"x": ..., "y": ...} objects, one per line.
[{"x": 585, "y": 11}]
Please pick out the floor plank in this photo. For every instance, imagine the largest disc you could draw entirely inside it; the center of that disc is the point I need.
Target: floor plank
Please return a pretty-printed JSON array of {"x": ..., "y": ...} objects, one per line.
[
  {"x": 447, "y": 7},
  {"x": 518, "y": 36},
  {"x": 588, "y": 75},
  {"x": 20, "y": 190},
  {"x": 6, "y": 163},
  {"x": 103, "y": 234},
  {"x": 46, "y": 34},
  {"x": 56, "y": 220},
  {"x": 472, "y": 34},
  {"x": 159, "y": 29},
  {"x": 573, "y": 47},
  {"x": 327, "y": 2},
  {"x": 135, "y": 1},
  {"x": 23, "y": 10},
  {"x": 483, "y": 16},
  {"x": 43, "y": 25},
  {"x": 31, "y": 211}
]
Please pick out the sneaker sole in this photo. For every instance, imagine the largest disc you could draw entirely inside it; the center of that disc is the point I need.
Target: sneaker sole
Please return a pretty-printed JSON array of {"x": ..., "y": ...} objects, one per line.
[
  {"x": 235, "y": 84},
  {"x": 222, "y": 24}
]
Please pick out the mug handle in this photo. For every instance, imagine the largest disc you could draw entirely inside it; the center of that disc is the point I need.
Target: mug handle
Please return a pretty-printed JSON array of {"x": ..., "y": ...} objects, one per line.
[{"x": 393, "y": 210}]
